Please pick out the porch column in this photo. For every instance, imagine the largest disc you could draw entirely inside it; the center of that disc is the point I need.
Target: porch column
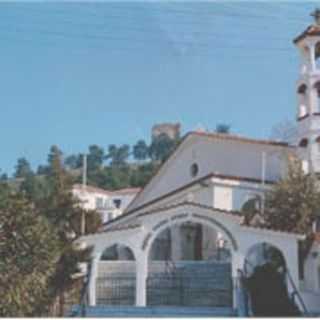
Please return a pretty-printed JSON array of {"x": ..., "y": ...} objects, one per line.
[
  {"x": 237, "y": 264},
  {"x": 93, "y": 279},
  {"x": 141, "y": 280}
]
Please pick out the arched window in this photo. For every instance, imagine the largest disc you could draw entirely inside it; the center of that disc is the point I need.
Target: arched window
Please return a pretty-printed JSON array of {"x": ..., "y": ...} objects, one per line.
[
  {"x": 303, "y": 143},
  {"x": 251, "y": 208},
  {"x": 317, "y": 54},
  {"x": 317, "y": 141},
  {"x": 302, "y": 89},
  {"x": 117, "y": 252},
  {"x": 317, "y": 87}
]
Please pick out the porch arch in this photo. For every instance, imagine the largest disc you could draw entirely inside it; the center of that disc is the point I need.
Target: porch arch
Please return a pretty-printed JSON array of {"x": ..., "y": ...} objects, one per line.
[
  {"x": 262, "y": 252},
  {"x": 159, "y": 226},
  {"x": 116, "y": 275},
  {"x": 198, "y": 271}
]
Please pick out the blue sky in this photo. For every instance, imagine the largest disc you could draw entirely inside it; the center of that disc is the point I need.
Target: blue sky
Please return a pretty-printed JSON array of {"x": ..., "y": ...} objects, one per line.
[{"x": 75, "y": 74}]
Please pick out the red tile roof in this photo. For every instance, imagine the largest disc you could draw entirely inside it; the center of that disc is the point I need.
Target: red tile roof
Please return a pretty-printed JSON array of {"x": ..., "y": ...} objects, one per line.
[{"x": 224, "y": 136}]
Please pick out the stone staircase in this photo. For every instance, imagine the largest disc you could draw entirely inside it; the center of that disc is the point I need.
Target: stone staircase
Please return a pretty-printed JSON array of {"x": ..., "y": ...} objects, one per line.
[
  {"x": 186, "y": 283},
  {"x": 193, "y": 284},
  {"x": 158, "y": 312}
]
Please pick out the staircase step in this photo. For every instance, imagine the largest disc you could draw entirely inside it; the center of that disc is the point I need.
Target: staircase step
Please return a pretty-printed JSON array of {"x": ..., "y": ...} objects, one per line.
[{"x": 107, "y": 311}]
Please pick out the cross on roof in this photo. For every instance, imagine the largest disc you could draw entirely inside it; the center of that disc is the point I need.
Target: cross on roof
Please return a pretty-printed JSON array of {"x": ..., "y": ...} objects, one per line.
[{"x": 316, "y": 15}]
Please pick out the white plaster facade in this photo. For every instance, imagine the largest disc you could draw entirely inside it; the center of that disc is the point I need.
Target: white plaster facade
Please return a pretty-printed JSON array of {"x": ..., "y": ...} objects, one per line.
[{"x": 110, "y": 204}]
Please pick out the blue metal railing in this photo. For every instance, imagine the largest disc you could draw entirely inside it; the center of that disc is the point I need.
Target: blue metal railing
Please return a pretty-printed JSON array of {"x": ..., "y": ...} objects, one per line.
[{"x": 295, "y": 293}]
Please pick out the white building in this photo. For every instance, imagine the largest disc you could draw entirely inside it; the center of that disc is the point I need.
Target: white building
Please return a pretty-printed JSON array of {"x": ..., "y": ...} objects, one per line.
[
  {"x": 110, "y": 204},
  {"x": 187, "y": 217}
]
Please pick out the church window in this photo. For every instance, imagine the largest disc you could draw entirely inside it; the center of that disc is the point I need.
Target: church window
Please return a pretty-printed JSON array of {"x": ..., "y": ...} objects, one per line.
[
  {"x": 302, "y": 100},
  {"x": 317, "y": 54},
  {"x": 194, "y": 170},
  {"x": 117, "y": 203},
  {"x": 99, "y": 203},
  {"x": 303, "y": 143},
  {"x": 251, "y": 208},
  {"x": 317, "y": 140},
  {"x": 117, "y": 252},
  {"x": 302, "y": 89},
  {"x": 317, "y": 87}
]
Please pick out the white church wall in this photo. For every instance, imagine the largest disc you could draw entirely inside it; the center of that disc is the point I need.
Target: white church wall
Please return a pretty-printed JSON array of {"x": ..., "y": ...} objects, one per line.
[
  {"x": 223, "y": 197},
  {"x": 225, "y": 157},
  {"x": 286, "y": 243}
]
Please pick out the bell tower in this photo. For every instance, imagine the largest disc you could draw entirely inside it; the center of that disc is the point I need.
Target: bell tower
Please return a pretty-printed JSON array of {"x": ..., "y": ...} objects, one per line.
[{"x": 308, "y": 94}]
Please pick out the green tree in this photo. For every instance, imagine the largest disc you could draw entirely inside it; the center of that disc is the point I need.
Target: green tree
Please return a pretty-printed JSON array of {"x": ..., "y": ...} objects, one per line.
[
  {"x": 118, "y": 156},
  {"x": 222, "y": 128},
  {"x": 294, "y": 202},
  {"x": 42, "y": 170},
  {"x": 53, "y": 154},
  {"x": 140, "y": 150},
  {"x": 29, "y": 250},
  {"x": 161, "y": 147},
  {"x": 64, "y": 213},
  {"x": 3, "y": 177},
  {"x": 34, "y": 188},
  {"x": 73, "y": 161},
  {"x": 23, "y": 168},
  {"x": 95, "y": 157},
  {"x": 141, "y": 175}
]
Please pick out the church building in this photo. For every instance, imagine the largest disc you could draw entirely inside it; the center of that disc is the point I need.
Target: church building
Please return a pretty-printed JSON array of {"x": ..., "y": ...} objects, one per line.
[{"x": 182, "y": 241}]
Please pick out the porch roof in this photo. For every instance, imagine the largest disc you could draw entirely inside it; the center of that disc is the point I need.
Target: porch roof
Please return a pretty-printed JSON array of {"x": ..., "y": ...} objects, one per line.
[{"x": 235, "y": 215}]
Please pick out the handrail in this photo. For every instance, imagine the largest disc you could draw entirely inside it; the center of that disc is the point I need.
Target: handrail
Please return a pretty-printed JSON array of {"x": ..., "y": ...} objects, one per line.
[
  {"x": 243, "y": 292},
  {"x": 296, "y": 292}
]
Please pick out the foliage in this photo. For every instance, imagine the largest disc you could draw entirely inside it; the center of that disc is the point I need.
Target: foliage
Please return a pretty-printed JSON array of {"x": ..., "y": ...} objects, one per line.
[
  {"x": 142, "y": 174},
  {"x": 4, "y": 177},
  {"x": 73, "y": 161},
  {"x": 64, "y": 213},
  {"x": 42, "y": 170},
  {"x": 161, "y": 147},
  {"x": 118, "y": 155},
  {"x": 39, "y": 225},
  {"x": 29, "y": 249},
  {"x": 140, "y": 150},
  {"x": 293, "y": 203},
  {"x": 223, "y": 128},
  {"x": 23, "y": 168},
  {"x": 34, "y": 187},
  {"x": 95, "y": 157}
]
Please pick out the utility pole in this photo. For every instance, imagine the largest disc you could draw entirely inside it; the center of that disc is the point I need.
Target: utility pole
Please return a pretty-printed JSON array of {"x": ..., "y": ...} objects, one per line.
[
  {"x": 84, "y": 171},
  {"x": 263, "y": 178},
  {"x": 84, "y": 184}
]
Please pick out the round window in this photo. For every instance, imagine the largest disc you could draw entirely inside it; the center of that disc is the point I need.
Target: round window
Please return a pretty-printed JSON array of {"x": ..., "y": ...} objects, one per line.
[{"x": 194, "y": 169}]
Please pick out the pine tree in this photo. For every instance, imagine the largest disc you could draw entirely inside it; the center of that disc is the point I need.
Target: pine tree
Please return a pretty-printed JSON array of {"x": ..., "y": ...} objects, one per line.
[
  {"x": 65, "y": 213},
  {"x": 29, "y": 249}
]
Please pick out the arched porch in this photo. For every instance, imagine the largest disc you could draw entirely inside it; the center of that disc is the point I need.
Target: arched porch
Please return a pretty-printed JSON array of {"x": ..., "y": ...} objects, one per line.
[{"x": 150, "y": 226}]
